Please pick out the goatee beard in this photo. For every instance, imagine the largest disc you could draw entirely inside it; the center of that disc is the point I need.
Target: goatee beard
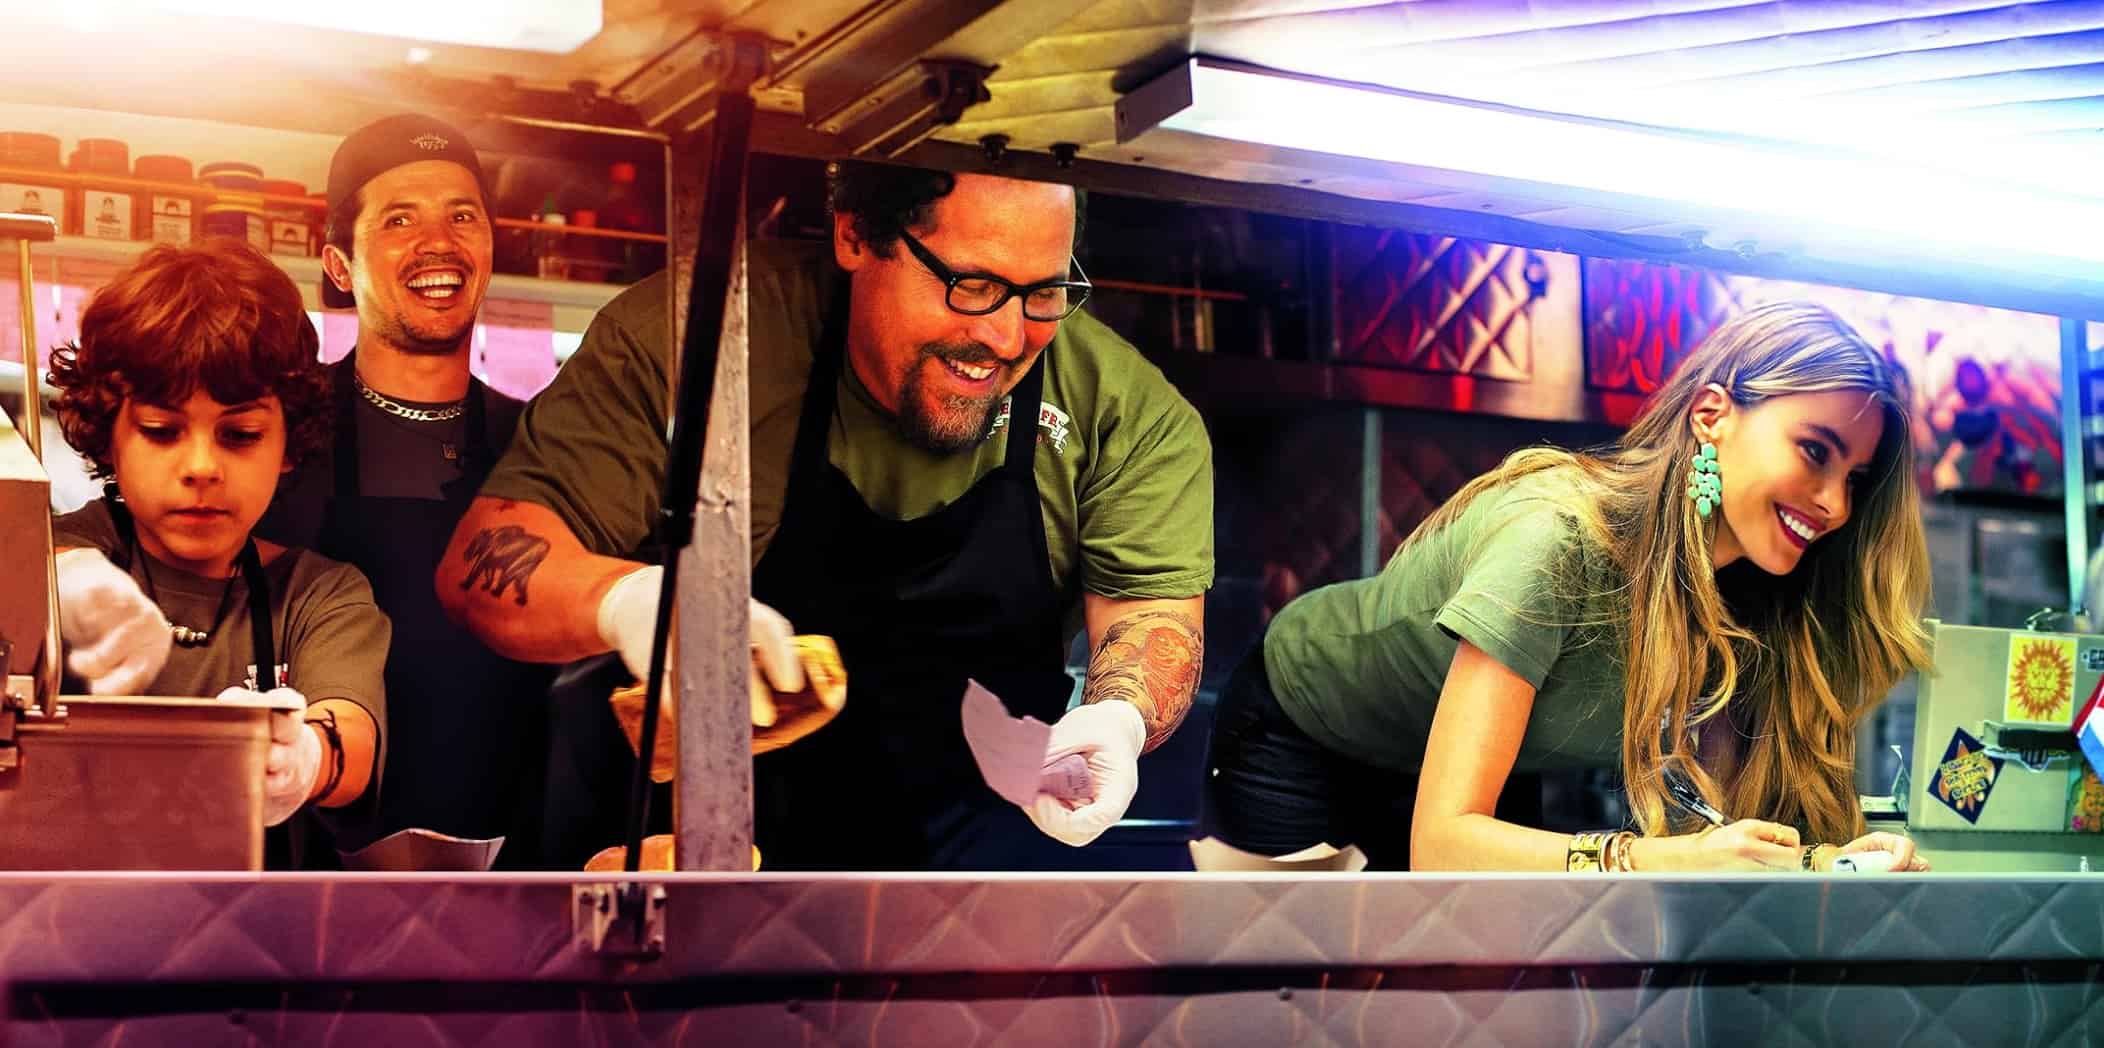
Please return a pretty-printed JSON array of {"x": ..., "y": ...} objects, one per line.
[{"x": 960, "y": 422}]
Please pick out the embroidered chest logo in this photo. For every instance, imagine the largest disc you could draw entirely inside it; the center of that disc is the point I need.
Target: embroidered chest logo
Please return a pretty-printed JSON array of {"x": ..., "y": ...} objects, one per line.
[{"x": 1054, "y": 425}]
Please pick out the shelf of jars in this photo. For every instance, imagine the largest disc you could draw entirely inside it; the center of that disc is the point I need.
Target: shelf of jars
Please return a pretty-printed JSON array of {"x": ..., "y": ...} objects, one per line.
[
  {"x": 70, "y": 260},
  {"x": 110, "y": 217}
]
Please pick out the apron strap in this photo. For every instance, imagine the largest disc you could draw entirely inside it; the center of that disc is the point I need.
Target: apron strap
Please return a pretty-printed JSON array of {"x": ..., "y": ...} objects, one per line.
[
  {"x": 259, "y": 616},
  {"x": 478, "y": 452},
  {"x": 807, "y": 462},
  {"x": 1023, "y": 406},
  {"x": 344, "y": 438},
  {"x": 252, "y": 577}
]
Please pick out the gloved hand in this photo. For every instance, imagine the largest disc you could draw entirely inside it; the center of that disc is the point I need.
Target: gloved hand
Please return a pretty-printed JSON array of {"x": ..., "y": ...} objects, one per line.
[
  {"x": 1905, "y": 859},
  {"x": 117, "y": 640},
  {"x": 628, "y": 614},
  {"x": 294, "y": 760},
  {"x": 1109, "y": 735}
]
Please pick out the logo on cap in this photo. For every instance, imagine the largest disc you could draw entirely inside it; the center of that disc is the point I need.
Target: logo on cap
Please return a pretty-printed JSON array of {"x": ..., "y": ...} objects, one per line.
[{"x": 429, "y": 143}]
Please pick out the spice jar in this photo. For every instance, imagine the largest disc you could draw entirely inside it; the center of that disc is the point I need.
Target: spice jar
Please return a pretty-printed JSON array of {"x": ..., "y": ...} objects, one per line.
[
  {"x": 292, "y": 223},
  {"x": 232, "y": 176},
  {"x": 167, "y": 213},
  {"x": 106, "y": 207},
  {"x": 237, "y": 206},
  {"x": 238, "y": 215},
  {"x": 28, "y": 186}
]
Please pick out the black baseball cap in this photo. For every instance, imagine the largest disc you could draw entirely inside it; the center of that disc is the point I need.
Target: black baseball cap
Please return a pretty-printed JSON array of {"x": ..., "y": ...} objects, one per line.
[{"x": 382, "y": 146}]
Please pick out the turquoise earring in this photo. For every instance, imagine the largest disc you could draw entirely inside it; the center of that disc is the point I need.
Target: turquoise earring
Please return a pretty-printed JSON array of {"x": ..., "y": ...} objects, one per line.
[{"x": 1705, "y": 480}]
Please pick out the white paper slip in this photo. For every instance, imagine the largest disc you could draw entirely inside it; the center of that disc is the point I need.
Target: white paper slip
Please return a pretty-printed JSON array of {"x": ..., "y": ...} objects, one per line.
[{"x": 1011, "y": 753}]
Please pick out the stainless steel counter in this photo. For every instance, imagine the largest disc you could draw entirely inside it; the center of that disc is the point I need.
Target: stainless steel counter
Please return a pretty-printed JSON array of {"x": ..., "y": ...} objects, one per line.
[{"x": 1080, "y": 960}]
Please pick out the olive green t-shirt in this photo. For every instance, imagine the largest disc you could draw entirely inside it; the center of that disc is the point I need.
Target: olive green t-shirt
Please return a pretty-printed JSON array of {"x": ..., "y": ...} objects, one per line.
[
  {"x": 331, "y": 638},
  {"x": 1359, "y": 665},
  {"x": 1124, "y": 467}
]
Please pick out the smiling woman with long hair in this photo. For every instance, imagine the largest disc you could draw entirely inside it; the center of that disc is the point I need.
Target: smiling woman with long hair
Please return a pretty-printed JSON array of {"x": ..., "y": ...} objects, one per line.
[{"x": 1713, "y": 604}]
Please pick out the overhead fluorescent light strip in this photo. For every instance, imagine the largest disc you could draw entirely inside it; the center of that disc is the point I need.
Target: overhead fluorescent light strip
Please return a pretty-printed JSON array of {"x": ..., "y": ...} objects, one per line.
[{"x": 1807, "y": 185}]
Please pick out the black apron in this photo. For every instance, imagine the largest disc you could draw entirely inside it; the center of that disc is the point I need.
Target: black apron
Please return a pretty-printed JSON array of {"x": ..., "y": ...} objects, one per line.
[
  {"x": 917, "y": 607},
  {"x": 302, "y": 841},
  {"x": 466, "y": 728}
]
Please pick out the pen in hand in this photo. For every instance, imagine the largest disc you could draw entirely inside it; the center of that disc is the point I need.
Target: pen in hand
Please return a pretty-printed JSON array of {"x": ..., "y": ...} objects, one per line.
[{"x": 1691, "y": 801}]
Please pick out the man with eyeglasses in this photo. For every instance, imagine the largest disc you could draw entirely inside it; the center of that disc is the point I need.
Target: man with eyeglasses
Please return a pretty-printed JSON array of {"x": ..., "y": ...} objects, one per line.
[{"x": 953, "y": 473}]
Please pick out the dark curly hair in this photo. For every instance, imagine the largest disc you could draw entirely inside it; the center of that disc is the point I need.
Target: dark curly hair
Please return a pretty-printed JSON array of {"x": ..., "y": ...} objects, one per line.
[
  {"x": 887, "y": 199},
  {"x": 216, "y": 314}
]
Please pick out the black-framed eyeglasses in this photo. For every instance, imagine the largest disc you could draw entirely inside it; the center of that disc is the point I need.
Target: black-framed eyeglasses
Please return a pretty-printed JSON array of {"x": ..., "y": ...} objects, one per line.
[{"x": 977, "y": 294}]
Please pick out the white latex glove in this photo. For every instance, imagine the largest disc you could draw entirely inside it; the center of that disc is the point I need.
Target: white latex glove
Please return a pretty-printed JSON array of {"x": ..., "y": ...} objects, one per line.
[
  {"x": 294, "y": 761},
  {"x": 117, "y": 640},
  {"x": 1109, "y": 735},
  {"x": 628, "y": 614}
]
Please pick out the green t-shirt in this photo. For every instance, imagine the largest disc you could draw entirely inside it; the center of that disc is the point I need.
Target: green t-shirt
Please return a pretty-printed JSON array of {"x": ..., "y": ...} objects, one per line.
[
  {"x": 1124, "y": 467},
  {"x": 1359, "y": 665}
]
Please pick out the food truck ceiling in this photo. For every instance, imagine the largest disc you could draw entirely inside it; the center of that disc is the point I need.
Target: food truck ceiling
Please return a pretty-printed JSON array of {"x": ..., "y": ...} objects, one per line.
[{"x": 1969, "y": 129}]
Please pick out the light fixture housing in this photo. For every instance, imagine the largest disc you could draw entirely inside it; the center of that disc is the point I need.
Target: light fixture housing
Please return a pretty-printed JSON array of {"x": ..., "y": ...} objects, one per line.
[{"x": 1819, "y": 199}]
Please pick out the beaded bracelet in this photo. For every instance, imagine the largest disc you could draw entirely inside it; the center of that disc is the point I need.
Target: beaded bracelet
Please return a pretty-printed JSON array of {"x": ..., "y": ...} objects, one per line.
[{"x": 326, "y": 721}]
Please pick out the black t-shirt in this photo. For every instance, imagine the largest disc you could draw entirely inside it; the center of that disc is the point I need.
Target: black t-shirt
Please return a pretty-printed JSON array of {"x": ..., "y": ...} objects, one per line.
[{"x": 397, "y": 458}]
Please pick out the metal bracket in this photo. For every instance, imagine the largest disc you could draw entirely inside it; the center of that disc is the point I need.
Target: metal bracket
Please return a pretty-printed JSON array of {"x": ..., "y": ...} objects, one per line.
[
  {"x": 623, "y": 920},
  {"x": 17, "y": 692},
  {"x": 18, "y": 703},
  {"x": 675, "y": 92},
  {"x": 9, "y": 750},
  {"x": 906, "y": 109}
]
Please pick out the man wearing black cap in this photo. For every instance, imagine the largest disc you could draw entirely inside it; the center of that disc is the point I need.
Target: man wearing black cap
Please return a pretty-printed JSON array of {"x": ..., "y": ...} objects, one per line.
[{"x": 409, "y": 245}]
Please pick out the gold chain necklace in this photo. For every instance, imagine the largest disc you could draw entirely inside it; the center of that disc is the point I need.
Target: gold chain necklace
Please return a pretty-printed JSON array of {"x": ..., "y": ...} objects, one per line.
[{"x": 400, "y": 410}]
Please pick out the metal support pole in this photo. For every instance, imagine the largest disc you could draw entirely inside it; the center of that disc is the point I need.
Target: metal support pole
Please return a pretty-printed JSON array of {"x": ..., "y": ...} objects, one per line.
[
  {"x": 704, "y": 522},
  {"x": 27, "y": 229},
  {"x": 2077, "y": 494},
  {"x": 32, "y": 391}
]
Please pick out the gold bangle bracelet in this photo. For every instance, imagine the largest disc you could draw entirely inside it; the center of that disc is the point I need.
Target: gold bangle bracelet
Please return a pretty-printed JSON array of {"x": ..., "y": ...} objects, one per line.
[
  {"x": 1619, "y": 858},
  {"x": 1584, "y": 853},
  {"x": 1601, "y": 851}
]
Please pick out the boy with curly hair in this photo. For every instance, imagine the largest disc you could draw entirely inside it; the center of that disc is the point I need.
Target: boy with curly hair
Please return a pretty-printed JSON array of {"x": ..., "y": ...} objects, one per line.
[{"x": 195, "y": 383}]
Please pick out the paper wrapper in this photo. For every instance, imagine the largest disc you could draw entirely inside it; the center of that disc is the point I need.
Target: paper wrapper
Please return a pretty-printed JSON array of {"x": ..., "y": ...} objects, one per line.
[
  {"x": 657, "y": 857},
  {"x": 1013, "y": 754},
  {"x": 778, "y": 719}
]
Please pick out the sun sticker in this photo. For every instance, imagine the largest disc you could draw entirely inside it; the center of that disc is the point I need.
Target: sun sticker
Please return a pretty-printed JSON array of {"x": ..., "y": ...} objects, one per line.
[{"x": 2041, "y": 680}]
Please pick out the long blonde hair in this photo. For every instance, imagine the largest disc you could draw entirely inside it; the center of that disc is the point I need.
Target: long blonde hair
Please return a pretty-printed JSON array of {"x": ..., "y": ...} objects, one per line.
[{"x": 1798, "y": 661}]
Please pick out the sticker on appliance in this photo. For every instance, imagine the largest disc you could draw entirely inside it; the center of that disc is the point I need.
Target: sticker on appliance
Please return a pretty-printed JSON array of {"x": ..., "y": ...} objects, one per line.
[
  {"x": 1965, "y": 777},
  {"x": 2085, "y": 800},
  {"x": 2041, "y": 680}
]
